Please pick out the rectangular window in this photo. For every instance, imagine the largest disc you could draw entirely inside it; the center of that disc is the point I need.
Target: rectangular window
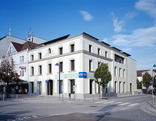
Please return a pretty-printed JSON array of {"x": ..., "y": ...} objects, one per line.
[
  {"x": 22, "y": 73},
  {"x": 124, "y": 73},
  {"x": 98, "y": 51},
  {"x": 32, "y": 57},
  {"x": 32, "y": 70},
  {"x": 90, "y": 48},
  {"x": 61, "y": 66},
  {"x": 49, "y": 68},
  {"x": 21, "y": 59},
  {"x": 40, "y": 55},
  {"x": 106, "y": 54},
  {"x": 119, "y": 59},
  {"x": 72, "y": 48},
  {"x": 90, "y": 65},
  {"x": 119, "y": 72},
  {"x": 40, "y": 69},
  {"x": 115, "y": 71},
  {"x": 61, "y": 50},
  {"x": 72, "y": 65}
]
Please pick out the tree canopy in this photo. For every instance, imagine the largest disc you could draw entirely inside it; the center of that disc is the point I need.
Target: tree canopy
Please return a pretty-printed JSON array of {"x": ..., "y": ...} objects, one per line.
[
  {"x": 7, "y": 72},
  {"x": 103, "y": 72},
  {"x": 146, "y": 79}
]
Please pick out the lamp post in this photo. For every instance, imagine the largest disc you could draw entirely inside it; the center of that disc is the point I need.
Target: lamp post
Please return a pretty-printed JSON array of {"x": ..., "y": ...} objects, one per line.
[{"x": 57, "y": 64}]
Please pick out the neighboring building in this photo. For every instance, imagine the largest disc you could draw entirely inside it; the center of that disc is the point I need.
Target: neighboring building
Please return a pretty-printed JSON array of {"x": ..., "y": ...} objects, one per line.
[
  {"x": 5, "y": 42},
  {"x": 78, "y": 57},
  {"x": 140, "y": 74}
]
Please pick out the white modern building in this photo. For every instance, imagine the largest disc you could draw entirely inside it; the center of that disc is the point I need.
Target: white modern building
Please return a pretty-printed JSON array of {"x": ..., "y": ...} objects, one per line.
[{"x": 78, "y": 57}]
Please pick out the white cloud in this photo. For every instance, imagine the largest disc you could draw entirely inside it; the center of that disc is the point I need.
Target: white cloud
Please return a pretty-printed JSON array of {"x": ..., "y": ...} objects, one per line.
[
  {"x": 118, "y": 24},
  {"x": 86, "y": 16},
  {"x": 148, "y": 6},
  {"x": 138, "y": 37}
]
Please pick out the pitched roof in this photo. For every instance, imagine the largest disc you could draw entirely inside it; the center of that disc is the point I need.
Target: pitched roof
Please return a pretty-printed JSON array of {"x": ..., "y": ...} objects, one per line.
[
  {"x": 29, "y": 45},
  {"x": 17, "y": 46},
  {"x": 57, "y": 39}
]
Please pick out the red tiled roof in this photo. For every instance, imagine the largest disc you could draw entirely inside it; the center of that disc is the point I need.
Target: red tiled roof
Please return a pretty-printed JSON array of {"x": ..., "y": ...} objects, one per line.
[{"x": 29, "y": 45}]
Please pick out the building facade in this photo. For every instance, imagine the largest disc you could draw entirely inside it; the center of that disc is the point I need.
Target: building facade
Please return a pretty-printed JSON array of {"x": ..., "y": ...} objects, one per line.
[{"x": 78, "y": 57}]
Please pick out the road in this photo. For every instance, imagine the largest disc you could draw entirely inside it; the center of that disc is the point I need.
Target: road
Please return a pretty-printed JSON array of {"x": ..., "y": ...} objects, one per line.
[{"x": 51, "y": 108}]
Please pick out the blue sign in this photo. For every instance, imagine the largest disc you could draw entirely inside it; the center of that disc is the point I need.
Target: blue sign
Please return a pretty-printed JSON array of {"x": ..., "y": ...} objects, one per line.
[
  {"x": 82, "y": 74},
  {"x": 151, "y": 81},
  {"x": 47, "y": 81}
]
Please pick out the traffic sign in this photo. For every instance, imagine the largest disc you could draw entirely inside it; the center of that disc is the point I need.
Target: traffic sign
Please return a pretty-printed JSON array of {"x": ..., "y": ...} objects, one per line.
[{"x": 151, "y": 81}]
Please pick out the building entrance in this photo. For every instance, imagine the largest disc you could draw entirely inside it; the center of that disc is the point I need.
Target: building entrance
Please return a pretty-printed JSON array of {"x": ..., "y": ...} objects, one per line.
[
  {"x": 50, "y": 87},
  {"x": 91, "y": 86}
]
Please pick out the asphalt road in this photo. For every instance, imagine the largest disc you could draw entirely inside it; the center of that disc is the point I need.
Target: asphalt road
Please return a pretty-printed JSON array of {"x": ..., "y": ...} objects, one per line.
[{"x": 50, "y": 108}]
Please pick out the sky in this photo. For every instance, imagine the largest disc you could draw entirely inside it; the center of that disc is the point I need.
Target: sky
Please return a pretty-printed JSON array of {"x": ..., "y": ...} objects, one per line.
[{"x": 129, "y": 25}]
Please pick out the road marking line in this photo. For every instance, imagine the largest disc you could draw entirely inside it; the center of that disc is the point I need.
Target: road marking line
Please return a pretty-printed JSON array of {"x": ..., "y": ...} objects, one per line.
[
  {"x": 124, "y": 103},
  {"x": 134, "y": 104}
]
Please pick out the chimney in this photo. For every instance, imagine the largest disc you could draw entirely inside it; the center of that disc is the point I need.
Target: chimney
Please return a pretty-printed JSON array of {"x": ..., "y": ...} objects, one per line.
[{"x": 10, "y": 32}]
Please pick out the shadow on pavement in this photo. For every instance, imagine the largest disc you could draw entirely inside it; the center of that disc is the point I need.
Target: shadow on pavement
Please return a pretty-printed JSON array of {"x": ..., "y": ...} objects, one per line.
[{"x": 11, "y": 116}]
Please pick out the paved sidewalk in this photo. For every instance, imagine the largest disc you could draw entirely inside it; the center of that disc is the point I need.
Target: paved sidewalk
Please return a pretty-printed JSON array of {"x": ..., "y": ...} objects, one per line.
[{"x": 150, "y": 108}]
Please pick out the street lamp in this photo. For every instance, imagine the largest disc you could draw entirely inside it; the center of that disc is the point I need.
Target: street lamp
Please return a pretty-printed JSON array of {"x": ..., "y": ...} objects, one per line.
[{"x": 57, "y": 64}]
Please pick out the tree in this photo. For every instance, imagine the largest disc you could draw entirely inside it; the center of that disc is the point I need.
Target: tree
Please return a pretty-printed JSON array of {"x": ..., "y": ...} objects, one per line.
[
  {"x": 8, "y": 73},
  {"x": 139, "y": 84},
  {"x": 146, "y": 80},
  {"x": 105, "y": 75}
]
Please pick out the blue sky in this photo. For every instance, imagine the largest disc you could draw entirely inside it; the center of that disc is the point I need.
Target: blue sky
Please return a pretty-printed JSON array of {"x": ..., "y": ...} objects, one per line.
[{"x": 129, "y": 25}]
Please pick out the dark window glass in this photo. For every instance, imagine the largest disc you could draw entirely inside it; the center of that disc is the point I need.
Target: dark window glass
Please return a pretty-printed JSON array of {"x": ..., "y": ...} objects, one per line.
[
  {"x": 61, "y": 50},
  {"x": 90, "y": 48},
  {"x": 61, "y": 66},
  {"x": 40, "y": 69},
  {"x": 72, "y": 65},
  {"x": 119, "y": 59},
  {"x": 40, "y": 55},
  {"x": 50, "y": 69},
  {"x": 72, "y": 47}
]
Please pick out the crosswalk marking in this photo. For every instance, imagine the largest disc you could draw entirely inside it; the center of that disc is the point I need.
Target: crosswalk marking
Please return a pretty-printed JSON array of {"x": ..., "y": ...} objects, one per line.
[
  {"x": 117, "y": 103},
  {"x": 133, "y": 104}
]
